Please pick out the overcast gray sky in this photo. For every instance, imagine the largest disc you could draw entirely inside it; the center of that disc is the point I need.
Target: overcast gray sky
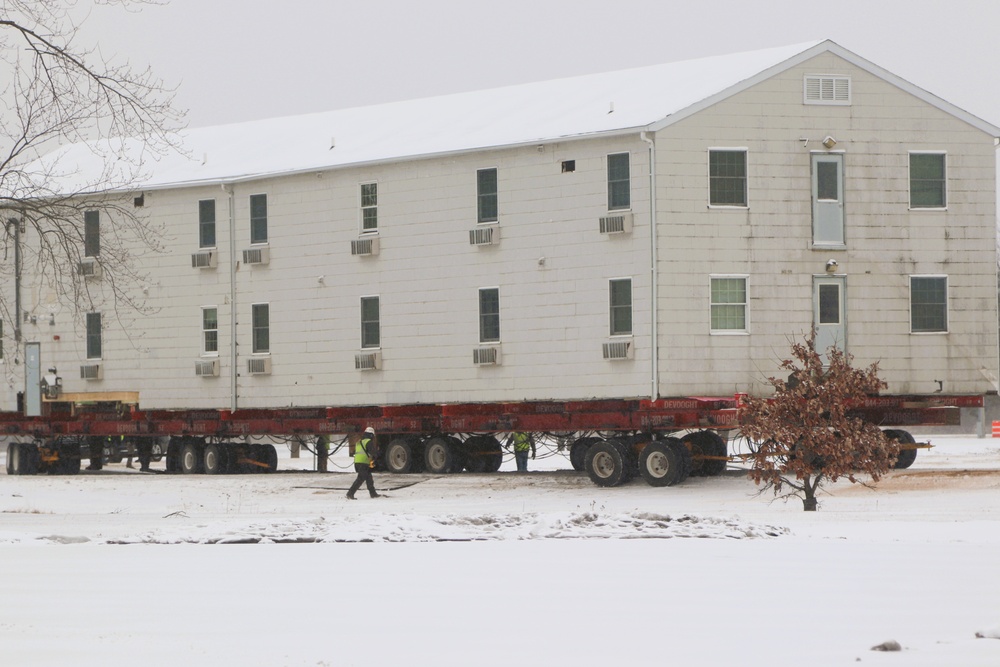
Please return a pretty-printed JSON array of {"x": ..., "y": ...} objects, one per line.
[{"x": 236, "y": 60}]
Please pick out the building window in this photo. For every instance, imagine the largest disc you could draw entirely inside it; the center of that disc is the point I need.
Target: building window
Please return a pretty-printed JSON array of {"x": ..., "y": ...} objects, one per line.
[
  {"x": 210, "y": 330},
  {"x": 729, "y": 303},
  {"x": 727, "y": 177},
  {"x": 489, "y": 315},
  {"x": 369, "y": 207},
  {"x": 927, "y": 180},
  {"x": 820, "y": 89},
  {"x": 621, "y": 307},
  {"x": 93, "y": 335},
  {"x": 91, "y": 233},
  {"x": 258, "y": 218},
  {"x": 486, "y": 189},
  {"x": 206, "y": 223},
  {"x": 928, "y": 304},
  {"x": 261, "y": 328},
  {"x": 370, "y": 326},
  {"x": 619, "y": 182}
]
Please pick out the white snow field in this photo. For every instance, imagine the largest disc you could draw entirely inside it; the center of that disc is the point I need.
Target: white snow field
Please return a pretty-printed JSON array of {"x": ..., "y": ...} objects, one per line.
[{"x": 122, "y": 568}]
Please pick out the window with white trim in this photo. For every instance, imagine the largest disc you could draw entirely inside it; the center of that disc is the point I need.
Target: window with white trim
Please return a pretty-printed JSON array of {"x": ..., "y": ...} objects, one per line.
[
  {"x": 729, "y": 304},
  {"x": 258, "y": 218},
  {"x": 206, "y": 223},
  {"x": 620, "y": 300},
  {"x": 928, "y": 185},
  {"x": 489, "y": 315},
  {"x": 210, "y": 330},
  {"x": 370, "y": 322},
  {"x": 619, "y": 182},
  {"x": 727, "y": 177},
  {"x": 928, "y": 304},
  {"x": 826, "y": 89},
  {"x": 261, "y": 328},
  {"x": 486, "y": 195},
  {"x": 94, "y": 336},
  {"x": 91, "y": 233},
  {"x": 369, "y": 207}
]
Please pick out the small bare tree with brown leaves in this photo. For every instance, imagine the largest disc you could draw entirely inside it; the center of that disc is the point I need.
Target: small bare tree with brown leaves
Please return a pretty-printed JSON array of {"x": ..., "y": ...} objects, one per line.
[
  {"x": 804, "y": 436},
  {"x": 77, "y": 131}
]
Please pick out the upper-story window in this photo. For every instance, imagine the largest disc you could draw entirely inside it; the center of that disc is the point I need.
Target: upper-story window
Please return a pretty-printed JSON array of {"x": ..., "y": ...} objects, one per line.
[
  {"x": 619, "y": 182},
  {"x": 94, "y": 336},
  {"x": 729, "y": 304},
  {"x": 210, "y": 330},
  {"x": 489, "y": 315},
  {"x": 826, "y": 89},
  {"x": 928, "y": 304},
  {"x": 727, "y": 177},
  {"x": 261, "y": 324},
  {"x": 91, "y": 233},
  {"x": 206, "y": 223},
  {"x": 258, "y": 218},
  {"x": 371, "y": 335},
  {"x": 621, "y": 306},
  {"x": 927, "y": 180},
  {"x": 486, "y": 190},
  {"x": 369, "y": 207}
]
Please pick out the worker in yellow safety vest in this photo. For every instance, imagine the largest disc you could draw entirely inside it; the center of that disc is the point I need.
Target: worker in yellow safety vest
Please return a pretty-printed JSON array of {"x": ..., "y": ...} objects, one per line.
[
  {"x": 365, "y": 452},
  {"x": 523, "y": 443}
]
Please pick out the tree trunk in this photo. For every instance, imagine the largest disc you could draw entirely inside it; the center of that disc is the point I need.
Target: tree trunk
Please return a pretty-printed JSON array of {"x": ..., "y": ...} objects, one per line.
[{"x": 809, "y": 503}]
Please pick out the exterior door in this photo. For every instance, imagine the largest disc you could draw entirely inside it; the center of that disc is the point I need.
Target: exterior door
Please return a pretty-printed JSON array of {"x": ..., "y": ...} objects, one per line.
[
  {"x": 829, "y": 313},
  {"x": 828, "y": 199}
]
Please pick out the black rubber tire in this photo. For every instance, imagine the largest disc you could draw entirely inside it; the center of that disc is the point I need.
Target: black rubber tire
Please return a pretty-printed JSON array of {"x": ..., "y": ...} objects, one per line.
[
  {"x": 69, "y": 459},
  {"x": 495, "y": 457},
  {"x": 630, "y": 457},
  {"x": 706, "y": 443},
  {"x": 906, "y": 456},
  {"x": 269, "y": 457},
  {"x": 480, "y": 453},
  {"x": 659, "y": 464},
  {"x": 191, "y": 458},
  {"x": 114, "y": 451},
  {"x": 578, "y": 452},
  {"x": 156, "y": 452},
  {"x": 399, "y": 456},
  {"x": 439, "y": 455},
  {"x": 458, "y": 452},
  {"x": 684, "y": 458},
  {"x": 214, "y": 459},
  {"x": 605, "y": 463},
  {"x": 11, "y": 446},
  {"x": 25, "y": 458},
  {"x": 174, "y": 446}
]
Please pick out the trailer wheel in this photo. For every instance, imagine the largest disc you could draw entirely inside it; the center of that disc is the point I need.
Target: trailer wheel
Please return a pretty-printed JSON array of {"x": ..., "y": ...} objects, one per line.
[
  {"x": 156, "y": 452},
  {"x": 269, "y": 456},
  {"x": 481, "y": 452},
  {"x": 706, "y": 443},
  {"x": 191, "y": 458},
  {"x": 10, "y": 457},
  {"x": 23, "y": 457},
  {"x": 906, "y": 456},
  {"x": 684, "y": 458},
  {"x": 174, "y": 446},
  {"x": 659, "y": 464},
  {"x": 214, "y": 459},
  {"x": 578, "y": 452},
  {"x": 69, "y": 459},
  {"x": 606, "y": 463},
  {"x": 399, "y": 456},
  {"x": 439, "y": 455}
]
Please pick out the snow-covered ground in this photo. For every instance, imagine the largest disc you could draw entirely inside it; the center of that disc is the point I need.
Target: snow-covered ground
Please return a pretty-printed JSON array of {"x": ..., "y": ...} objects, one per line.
[{"x": 119, "y": 567}]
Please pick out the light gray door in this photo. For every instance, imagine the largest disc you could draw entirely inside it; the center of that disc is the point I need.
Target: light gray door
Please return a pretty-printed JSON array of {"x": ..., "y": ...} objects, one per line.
[
  {"x": 32, "y": 379},
  {"x": 829, "y": 313},
  {"x": 828, "y": 199}
]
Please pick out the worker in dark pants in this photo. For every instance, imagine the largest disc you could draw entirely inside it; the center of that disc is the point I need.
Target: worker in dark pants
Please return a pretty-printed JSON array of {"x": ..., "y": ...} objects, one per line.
[
  {"x": 145, "y": 450},
  {"x": 364, "y": 461},
  {"x": 96, "y": 447}
]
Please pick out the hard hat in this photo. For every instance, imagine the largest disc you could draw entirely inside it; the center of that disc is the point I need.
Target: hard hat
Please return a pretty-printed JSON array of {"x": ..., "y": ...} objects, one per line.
[{"x": 370, "y": 430}]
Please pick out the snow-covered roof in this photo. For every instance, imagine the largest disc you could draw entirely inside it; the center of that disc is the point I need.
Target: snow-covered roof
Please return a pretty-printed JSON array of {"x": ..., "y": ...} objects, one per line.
[{"x": 584, "y": 106}]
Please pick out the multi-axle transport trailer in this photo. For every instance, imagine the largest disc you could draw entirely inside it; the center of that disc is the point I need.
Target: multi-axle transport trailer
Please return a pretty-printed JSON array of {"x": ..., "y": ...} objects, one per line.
[{"x": 613, "y": 440}]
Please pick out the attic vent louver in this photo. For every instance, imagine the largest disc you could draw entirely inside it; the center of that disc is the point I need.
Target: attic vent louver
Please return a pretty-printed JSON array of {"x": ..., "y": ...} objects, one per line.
[{"x": 827, "y": 89}]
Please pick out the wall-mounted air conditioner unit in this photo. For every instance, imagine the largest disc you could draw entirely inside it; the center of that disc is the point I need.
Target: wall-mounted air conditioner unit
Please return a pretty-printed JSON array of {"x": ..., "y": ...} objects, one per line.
[
  {"x": 91, "y": 372},
  {"x": 489, "y": 235},
  {"x": 259, "y": 366},
  {"x": 365, "y": 246},
  {"x": 89, "y": 268},
  {"x": 618, "y": 349},
  {"x": 258, "y": 255},
  {"x": 368, "y": 361},
  {"x": 486, "y": 356},
  {"x": 204, "y": 260},
  {"x": 616, "y": 223},
  {"x": 206, "y": 368}
]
